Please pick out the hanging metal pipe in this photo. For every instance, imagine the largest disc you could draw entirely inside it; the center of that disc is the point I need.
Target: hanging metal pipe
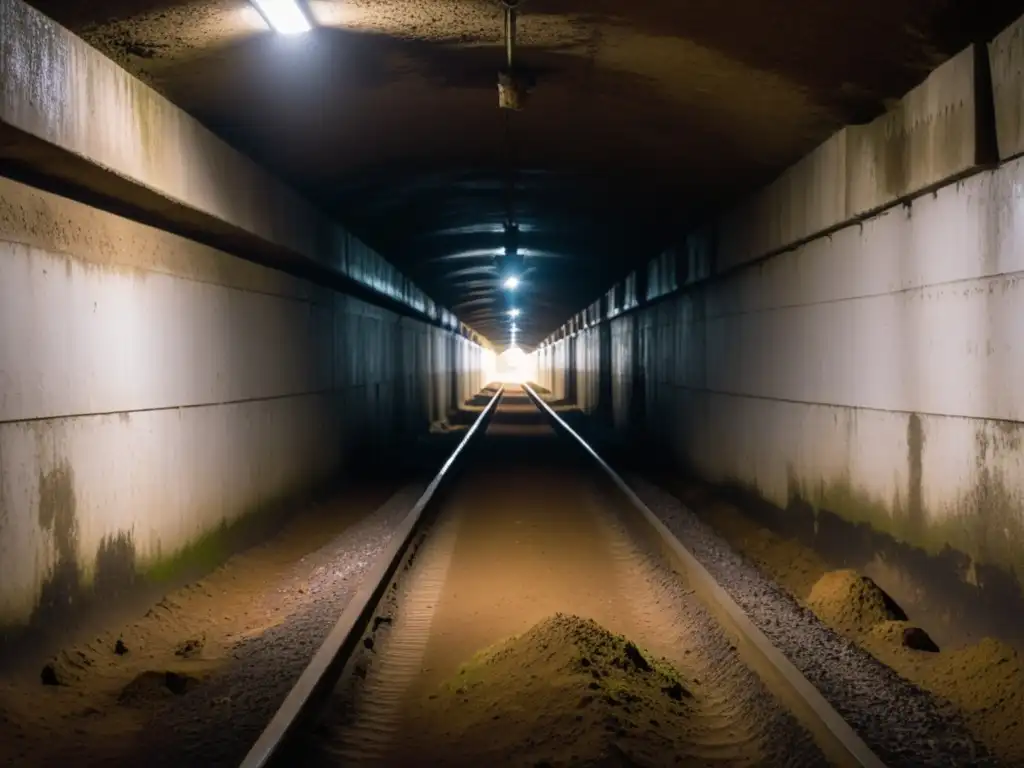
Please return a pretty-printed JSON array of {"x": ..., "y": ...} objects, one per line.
[{"x": 510, "y": 30}]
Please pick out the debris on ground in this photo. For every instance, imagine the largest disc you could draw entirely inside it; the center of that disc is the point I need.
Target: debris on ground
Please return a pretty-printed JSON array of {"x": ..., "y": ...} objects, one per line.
[
  {"x": 852, "y": 603},
  {"x": 190, "y": 648},
  {"x": 567, "y": 691}
]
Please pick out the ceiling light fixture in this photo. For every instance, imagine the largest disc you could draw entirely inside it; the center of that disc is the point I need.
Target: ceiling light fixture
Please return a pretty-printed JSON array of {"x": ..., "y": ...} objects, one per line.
[
  {"x": 513, "y": 313},
  {"x": 286, "y": 17},
  {"x": 511, "y": 282}
]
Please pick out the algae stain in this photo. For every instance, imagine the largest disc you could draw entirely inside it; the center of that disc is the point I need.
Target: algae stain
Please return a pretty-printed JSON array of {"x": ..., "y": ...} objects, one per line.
[
  {"x": 991, "y": 513},
  {"x": 114, "y": 569},
  {"x": 986, "y": 523},
  {"x": 58, "y": 510},
  {"x": 58, "y": 516}
]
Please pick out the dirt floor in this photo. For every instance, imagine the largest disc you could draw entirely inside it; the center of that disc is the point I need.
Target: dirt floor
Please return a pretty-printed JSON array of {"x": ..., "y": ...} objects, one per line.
[
  {"x": 530, "y": 547},
  {"x": 96, "y": 700},
  {"x": 984, "y": 680}
]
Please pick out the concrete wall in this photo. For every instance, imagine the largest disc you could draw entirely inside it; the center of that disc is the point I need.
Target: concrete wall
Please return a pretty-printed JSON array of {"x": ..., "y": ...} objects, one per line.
[
  {"x": 1006, "y": 56},
  {"x": 865, "y": 382},
  {"x": 158, "y": 162},
  {"x": 938, "y": 131},
  {"x": 153, "y": 390}
]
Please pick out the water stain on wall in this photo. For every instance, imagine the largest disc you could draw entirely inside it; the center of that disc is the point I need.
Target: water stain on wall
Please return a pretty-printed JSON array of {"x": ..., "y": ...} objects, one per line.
[
  {"x": 959, "y": 598},
  {"x": 115, "y": 565},
  {"x": 964, "y": 567},
  {"x": 915, "y": 465},
  {"x": 58, "y": 517},
  {"x": 71, "y": 586},
  {"x": 991, "y": 513}
]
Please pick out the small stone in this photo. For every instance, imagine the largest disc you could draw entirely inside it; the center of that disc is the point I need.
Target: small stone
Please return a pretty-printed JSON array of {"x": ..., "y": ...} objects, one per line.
[
  {"x": 120, "y": 648},
  {"x": 917, "y": 639},
  {"x": 190, "y": 647}
]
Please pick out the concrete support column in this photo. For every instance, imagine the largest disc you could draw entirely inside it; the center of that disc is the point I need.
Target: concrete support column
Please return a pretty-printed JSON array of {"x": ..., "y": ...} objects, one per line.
[{"x": 604, "y": 372}]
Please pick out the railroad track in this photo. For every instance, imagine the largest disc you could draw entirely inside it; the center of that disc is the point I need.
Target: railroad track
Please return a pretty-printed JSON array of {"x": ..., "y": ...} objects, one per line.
[{"x": 518, "y": 525}]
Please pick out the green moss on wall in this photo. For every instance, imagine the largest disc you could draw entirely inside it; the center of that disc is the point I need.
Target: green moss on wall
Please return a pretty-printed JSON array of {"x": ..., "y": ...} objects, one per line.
[
  {"x": 985, "y": 522},
  {"x": 215, "y": 546}
]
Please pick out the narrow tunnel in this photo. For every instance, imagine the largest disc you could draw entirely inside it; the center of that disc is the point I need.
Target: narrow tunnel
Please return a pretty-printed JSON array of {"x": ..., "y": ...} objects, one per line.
[{"x": 511, "y": 382}]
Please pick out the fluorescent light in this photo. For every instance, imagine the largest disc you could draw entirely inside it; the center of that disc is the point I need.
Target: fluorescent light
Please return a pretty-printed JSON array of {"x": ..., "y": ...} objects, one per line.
[
  {"x": 284, "y": 16},
  {"x": 512, "y": 283}
]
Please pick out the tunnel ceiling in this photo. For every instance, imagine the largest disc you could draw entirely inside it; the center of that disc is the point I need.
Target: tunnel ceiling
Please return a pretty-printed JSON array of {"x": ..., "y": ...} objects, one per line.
[{"x": 643, "y": 113}]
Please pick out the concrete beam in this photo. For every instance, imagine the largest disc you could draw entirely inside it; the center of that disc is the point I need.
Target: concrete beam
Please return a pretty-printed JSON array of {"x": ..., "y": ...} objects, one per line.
[
  {"x": 1006, "y": 60},
  {"x": 74, "y": 122},
  {"x": 940, "y": 131}
]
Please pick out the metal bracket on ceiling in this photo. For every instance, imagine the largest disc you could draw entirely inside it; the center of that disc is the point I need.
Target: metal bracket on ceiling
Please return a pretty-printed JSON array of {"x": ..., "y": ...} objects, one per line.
[{"x": 511, "y": 262}]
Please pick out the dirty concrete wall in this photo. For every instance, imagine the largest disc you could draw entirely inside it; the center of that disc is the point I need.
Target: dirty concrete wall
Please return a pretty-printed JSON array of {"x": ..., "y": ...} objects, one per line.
[
  {"x": 863, "y": 387},
  {"x": 940, "y": 130},
  {"x": 162, "y": 164},
  {"x": 1006, "y": 61},
  {"x": 873, "y": 375},
  {"x": 154, "y": 391}
]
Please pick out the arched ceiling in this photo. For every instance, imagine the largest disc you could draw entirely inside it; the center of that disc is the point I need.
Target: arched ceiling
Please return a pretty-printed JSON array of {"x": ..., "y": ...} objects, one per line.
[{"x": 644, "y": 114}]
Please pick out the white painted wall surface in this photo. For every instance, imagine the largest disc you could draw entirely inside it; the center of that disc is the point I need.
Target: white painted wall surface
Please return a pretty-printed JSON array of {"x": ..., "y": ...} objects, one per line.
[
  {"x": 885, "y": 361},
  {"x": 811, "y": 366},
  {"x": 178, "y": 388}
]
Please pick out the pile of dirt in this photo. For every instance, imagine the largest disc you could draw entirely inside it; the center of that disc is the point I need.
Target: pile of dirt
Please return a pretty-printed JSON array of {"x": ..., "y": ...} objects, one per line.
[
  {"x": 566, "y": 691},
  {"x": 852, "y": 603},
  {"x": 152, "y": 686},
  {"x": 985, "y": 680},
  {"x": 68, "y": 667},
  {"x": 790, "y": 563}
]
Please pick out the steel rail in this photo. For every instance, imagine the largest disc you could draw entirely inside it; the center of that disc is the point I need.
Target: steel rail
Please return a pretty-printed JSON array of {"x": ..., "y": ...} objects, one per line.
[
  {"x": 835, "y": 736},
  {"x": 327, "y": 663}
]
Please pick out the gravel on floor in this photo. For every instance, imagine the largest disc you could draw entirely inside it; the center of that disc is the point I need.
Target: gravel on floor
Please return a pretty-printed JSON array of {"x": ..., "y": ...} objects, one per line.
[
  {"x": 216, "y": 724},
  {"x": 902, "y": 724}
]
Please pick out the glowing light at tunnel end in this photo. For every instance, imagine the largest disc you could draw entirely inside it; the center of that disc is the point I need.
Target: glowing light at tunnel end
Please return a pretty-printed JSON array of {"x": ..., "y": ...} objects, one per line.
[
  {"x": 511, "y": 283},
  {"x": 514, "y": 366},
  {"x": 285, "y": 17}
]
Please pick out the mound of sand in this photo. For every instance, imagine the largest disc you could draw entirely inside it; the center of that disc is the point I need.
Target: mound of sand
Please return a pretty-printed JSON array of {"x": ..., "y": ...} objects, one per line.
[
  {"x": 852, "y": 603},
  {"x": 986, "y": 680},
  {"x": 68, "y": 667},
  {"x": 565, "y": 692},
  {"x": 152, "y": 686}
]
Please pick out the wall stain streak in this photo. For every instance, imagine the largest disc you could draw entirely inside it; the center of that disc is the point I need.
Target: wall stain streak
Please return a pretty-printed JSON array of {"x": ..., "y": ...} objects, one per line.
[
  {"x": 916, "y": 521},
  {"x": 58, "y": 516},
  {"x": 115, "y": 570}
]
